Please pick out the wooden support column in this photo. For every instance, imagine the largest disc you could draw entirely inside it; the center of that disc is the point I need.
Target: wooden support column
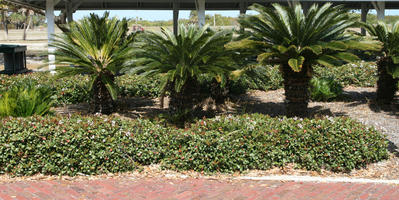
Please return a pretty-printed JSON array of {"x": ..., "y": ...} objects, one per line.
[
  {"x": 50, "y": 17},
  {"x": 175, "y": 17},
  {"x": 365, "y": 11}
]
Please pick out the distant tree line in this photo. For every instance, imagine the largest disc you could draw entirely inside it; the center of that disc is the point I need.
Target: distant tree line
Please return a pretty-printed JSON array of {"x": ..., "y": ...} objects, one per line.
[
  {"x": 217, "y": 20},
  {"x": 19, "y": 17}
]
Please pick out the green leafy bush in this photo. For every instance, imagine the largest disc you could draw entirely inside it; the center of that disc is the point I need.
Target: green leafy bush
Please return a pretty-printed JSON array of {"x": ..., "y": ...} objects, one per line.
[
  {"x": 73, "y": 145},
  {"x": 358, "y": 74},
  {"x": 259, "y": 78},
  {"x": 25, "y": 99},
  {"x": 325, "y": 89},
  {"x": 236, "y": 143},
  {"x": 69, "y": 90},
  {"x": 133, "y": 85},
  {"x": 74, "y": 89},
  {"x": 95, "y": 145}
]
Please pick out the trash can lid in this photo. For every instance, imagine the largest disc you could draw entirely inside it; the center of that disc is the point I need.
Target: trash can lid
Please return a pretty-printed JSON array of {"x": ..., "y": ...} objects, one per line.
[{"x": 11, "y": 48}]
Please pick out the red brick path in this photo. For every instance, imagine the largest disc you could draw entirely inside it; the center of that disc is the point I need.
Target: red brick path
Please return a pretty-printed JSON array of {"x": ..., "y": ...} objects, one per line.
[{"x": 119, "y": 189}]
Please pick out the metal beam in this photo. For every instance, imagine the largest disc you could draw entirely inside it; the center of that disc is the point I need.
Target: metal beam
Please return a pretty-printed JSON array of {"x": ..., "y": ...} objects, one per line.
[{"x": 188, "y": 4}]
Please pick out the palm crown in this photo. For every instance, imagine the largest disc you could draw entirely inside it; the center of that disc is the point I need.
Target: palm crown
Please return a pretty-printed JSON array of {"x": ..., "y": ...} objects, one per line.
[
  {"x": 389, "y": 37},
  {"x": 287, "y": 35},
  {"x": 191, "y": 53},
  {"x": 97, "y": 46}
]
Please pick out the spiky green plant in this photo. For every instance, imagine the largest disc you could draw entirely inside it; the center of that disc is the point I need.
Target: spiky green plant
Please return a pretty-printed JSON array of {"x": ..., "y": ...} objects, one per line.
[
  {"x": 25, "y": 99},
  {"x": 99, "y": 47},
  {"x": 182, "y": 59},
  {"x": 296, "y": 41},
  {"x": 388, "y": 63}
]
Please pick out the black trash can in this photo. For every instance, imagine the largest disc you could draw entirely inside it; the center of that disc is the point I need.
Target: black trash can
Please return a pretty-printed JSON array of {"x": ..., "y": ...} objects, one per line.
[{"x": 14, "y": 59}]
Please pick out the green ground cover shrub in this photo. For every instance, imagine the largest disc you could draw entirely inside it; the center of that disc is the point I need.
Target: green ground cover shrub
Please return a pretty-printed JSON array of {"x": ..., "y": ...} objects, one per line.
[
  {"x": 95, "y": 145},
  {"x": 69, "y": 90},
  {"x": 236, "y": 143},
  {"x": 358, "y": 74},
  {"x": 25, "y": 99},
  {"x": 74, "y": 90},
  {"x": 69, "y": 146},
  {"x": 325, "y": 89},
  {"x": 133, "y": 85}
]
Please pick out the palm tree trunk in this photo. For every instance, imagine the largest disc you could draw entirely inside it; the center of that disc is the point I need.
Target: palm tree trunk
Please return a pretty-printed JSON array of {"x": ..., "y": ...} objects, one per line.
[
  {"x": 296, "y": 86},
  {"x": 4, "y": 22},
  {"x": 187, "y": 99},
  {"x": 218, "y": 92},
  {"x": 102, "y": 101},
  {"x": 27, "y": 24},
  {"x": 386, "y": 84}
]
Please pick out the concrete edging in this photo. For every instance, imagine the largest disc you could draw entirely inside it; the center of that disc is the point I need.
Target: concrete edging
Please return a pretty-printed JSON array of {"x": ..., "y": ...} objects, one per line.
[{"x": 318, "y": 179}]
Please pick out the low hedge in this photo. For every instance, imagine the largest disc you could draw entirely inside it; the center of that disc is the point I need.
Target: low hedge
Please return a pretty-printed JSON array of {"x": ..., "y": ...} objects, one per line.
[{"x": 96, "y": 145}]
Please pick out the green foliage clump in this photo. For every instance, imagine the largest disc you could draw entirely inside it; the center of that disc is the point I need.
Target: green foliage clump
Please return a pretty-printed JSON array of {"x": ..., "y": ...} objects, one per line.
[
  {"x": 358, "y": 74},
  {"x": 325, "y": 89},
  {"x": 134, "y": 85},
  {"x": 25, "y": 99},
  {"x": 70, "y": 90},
  {"x": 74, "y": 89},
  {"x": 237, "y": 143},
  {"x": 77, "y": 145},
  {"x": 95, "y": 145},
  {"x": 258, "y": 78}
]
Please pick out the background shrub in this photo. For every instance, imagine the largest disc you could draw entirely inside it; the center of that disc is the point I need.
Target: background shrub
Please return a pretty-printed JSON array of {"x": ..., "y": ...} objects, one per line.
[
  {"x": 69, "y": 90},
  {"x": 325, "y": 89},
  {"x": 133, "y": 85},
  {"x": 25, "y": 99},
  {"x": 95, "y": 145},
  {"x": 358, "y": 74},
  {"x": 74, "y": 90}
]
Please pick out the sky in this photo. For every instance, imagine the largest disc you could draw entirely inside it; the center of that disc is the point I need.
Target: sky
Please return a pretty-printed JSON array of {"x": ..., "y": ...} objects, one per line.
[{"x": 155, "y": 15}]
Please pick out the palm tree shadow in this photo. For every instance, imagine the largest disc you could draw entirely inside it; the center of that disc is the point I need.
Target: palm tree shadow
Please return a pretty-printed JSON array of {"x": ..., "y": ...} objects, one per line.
[
  {"x": 138, "y": 107},
  {"x": 393, "y": 148},
  {"x": 365, "y": 97},
  {"x": 357, "y": 97},
  {"x": 252, "y": 104},
  {"x": 391, "y": 109}
]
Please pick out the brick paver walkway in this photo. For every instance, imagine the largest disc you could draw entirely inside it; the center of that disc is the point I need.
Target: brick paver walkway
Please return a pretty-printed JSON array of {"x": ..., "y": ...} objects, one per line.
[{"x": 119, "y": 189}]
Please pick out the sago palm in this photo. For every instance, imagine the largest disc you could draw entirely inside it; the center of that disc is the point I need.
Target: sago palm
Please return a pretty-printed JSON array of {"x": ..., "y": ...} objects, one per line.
[
  {"x": 182, "y": 59},
  {"x": 99, "y": 47},
  {"x": 388, "y": 63},
  {"x": 296, "y": 41}
]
